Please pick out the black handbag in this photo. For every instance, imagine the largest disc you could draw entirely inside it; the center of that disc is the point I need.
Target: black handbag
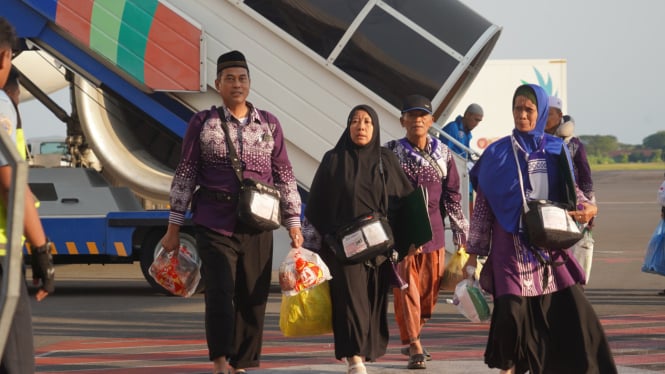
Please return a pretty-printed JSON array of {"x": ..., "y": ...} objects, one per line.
[
  {"x": 367, "y": 236},
  {"x": 363, "y": 239},
  {"x": 258, "y": 205},
  {"x": 258, "y": 202},
  {"x": 548, "y": 224}
]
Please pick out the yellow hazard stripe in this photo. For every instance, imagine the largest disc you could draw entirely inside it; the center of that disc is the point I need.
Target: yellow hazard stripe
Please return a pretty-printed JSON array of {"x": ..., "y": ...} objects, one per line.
[
  {"x": 120, "y": 249},
  {"x": 71, "y": 248},
  {"x": 92, "y": 248}
]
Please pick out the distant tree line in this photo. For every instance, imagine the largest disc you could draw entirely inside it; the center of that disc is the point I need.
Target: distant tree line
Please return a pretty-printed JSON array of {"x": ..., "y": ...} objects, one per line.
[{"x": 605, "y": 149}]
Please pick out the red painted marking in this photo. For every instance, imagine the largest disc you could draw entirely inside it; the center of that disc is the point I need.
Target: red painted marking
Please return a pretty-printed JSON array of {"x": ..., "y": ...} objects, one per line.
[
  {"x": 74, "y": 16},
  {"x": 447, "y": 341},
  {"x": 172, "y": 55}
]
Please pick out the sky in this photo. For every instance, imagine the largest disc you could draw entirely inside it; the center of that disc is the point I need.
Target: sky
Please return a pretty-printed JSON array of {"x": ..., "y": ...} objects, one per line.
[
  {"x": 39, "y": 121},
  {"x": 614, "y": 52}
]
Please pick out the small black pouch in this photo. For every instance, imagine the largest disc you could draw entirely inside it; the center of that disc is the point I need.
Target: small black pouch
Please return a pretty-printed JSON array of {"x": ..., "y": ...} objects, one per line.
[{"x": 363, "y": 239}]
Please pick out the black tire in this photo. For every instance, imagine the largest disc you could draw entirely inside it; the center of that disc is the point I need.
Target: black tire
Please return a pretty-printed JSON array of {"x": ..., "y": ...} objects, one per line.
[{"x": 149, "y": 248}]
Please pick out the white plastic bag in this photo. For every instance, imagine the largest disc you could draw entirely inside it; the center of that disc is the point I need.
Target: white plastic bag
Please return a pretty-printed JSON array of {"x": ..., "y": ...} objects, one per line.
[
  {"x": 661, "y": 194},
  {"x": 469, "y": 300},
  {"x": 654, "y": 260},
  {"x": 178, "y": 272},
  {"x": 301, "y": 269},
  {"x": 583, "y": 252}
]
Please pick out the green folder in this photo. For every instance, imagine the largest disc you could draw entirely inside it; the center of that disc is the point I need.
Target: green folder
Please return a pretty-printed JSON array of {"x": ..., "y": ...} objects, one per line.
[{"x": 413, "y": 223}]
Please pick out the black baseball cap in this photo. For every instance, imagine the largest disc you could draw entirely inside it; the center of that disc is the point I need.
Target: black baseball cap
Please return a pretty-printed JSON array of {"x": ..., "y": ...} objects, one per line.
[{"x": 416, "y": 102}]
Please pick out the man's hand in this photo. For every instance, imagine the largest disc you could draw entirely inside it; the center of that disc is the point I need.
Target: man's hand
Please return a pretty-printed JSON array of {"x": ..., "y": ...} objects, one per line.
[
  {"x": 297, "y": 239},
  {"x": 43, "y": 270}
]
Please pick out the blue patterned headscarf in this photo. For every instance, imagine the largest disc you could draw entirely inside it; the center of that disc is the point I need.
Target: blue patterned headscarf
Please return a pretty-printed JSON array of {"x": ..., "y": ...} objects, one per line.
[{"x": 495, "y": 173}]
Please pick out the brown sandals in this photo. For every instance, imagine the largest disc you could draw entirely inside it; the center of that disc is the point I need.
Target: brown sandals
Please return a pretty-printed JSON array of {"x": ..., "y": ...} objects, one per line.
[{"x": 416, "y": 361}]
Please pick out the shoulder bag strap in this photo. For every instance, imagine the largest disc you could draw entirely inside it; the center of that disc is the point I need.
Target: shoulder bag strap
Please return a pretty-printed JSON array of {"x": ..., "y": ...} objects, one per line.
[
  {"x": 383, "y": 183},
  {"x": 519, "y": 173},
  {"x": 235, "y": 161},
  {"x": 431, "y": 161}
]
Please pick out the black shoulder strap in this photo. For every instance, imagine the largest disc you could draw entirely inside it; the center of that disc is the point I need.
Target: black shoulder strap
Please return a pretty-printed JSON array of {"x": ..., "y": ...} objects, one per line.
[
  {"x": 431, "y": 161},
  {"x": 266, "y": 117},
  {"x": 235, "y": 161},
  {"x": 384, "y": 202}
]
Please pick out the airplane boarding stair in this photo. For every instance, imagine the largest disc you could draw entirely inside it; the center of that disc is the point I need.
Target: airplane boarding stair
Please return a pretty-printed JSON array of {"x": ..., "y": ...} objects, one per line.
[{"x": 143, "y": 67}]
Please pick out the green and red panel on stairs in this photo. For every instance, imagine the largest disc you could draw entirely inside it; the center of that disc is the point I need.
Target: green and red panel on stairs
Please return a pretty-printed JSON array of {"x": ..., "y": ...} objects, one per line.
[{"x": 145, "y": 39}]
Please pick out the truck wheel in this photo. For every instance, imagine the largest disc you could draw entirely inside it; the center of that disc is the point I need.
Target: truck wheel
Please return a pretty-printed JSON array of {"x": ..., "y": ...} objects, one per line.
[{"x": 149, "y": 249}]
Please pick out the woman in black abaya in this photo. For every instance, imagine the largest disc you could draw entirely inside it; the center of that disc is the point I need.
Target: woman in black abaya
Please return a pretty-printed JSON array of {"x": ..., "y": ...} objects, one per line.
[{"x": 349, "y": 183}]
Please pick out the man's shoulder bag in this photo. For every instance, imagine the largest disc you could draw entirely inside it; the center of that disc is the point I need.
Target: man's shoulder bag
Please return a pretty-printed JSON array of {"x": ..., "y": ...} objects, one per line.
[
  {"x": 258, "y": 205},
  {"x": 258, "y": 202}
]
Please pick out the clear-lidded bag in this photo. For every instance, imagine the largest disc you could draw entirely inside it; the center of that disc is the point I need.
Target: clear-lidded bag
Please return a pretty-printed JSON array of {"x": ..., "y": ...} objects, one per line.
[
  {"x": 177, "y": 271},
  {"x": 470, "y": 301}
]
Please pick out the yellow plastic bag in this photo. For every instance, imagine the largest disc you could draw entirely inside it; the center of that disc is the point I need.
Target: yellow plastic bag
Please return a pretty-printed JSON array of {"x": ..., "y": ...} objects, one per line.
[
  {"x": 454, "y": 271},
  {"x": 306, "y": 313}
]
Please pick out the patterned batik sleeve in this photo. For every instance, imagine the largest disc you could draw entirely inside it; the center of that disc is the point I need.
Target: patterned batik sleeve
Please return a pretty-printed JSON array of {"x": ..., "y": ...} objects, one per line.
[
  {"x": 312, "y": 240},
  {"x": 480, "y": 230},
  {"x": 582, "y": 197},
  {"x": 452, "y": 202},
  {"x": 184, "y": 178},
  {"x": 284, "y": 179},
  {"x": 584, "y": 180}
]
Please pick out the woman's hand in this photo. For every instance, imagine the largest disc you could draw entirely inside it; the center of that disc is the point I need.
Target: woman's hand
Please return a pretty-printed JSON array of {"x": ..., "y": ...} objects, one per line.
[
  {"x": 296, "y": 237},
  {"x": 585, "y": 212},
  {"x": 413, "y": 250},
  {"x": 471, "y": 265}
]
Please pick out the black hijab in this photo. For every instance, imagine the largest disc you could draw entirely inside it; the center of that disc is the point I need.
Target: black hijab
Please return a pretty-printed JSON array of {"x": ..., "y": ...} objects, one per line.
[{"x": 348, "y": 182}]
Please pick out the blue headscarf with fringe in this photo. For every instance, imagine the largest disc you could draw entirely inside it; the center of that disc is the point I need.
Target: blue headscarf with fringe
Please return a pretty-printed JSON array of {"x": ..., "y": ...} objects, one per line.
[{"x": 495, "y": 173}]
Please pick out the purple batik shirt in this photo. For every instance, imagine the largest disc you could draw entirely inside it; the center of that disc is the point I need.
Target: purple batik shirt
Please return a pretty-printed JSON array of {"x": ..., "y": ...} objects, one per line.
[
  {"x": 441, "y": 191},
  {"x": 581, "y": 167},
  {"x": 511, "y": 267},
  {"x": 205, "y": 163}
]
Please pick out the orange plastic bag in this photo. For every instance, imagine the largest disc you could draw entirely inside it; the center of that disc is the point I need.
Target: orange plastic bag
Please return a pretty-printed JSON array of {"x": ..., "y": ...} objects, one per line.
[
  {"x": 176, "y": 271},
  {"x": 300, "y": 270}
]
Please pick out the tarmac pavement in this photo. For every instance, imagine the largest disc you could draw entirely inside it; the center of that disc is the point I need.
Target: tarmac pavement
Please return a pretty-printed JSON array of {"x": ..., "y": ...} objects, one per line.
[{"x": 106, "y": 319}]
